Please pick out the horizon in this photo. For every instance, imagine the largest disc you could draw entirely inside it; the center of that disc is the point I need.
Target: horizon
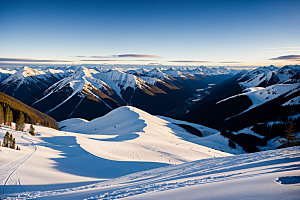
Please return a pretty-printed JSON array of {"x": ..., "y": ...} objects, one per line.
[
  {"x": 127, "y": 66},
  {"x": 168, "y": 33}
]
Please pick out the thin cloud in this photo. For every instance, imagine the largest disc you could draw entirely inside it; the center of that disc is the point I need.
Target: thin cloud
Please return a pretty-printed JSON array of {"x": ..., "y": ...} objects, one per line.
[
  {"x": 190, "y": 61},
  {"x": 287, "y": 57},
  {"x": 99, "y": 60},
  {"x": 135, "y": 56},
  {"x": 29, "y": 60},
  {"x": 122, "y": 56},
  {"x": 96, "y": 60}
]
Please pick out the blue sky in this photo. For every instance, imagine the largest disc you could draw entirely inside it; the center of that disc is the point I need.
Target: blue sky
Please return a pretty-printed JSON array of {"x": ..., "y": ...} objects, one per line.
[{"x": 204, "y": 32}]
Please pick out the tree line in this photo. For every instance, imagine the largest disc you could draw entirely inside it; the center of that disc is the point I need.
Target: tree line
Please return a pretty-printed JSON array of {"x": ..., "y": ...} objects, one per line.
[{"x": 12, "y": 108}]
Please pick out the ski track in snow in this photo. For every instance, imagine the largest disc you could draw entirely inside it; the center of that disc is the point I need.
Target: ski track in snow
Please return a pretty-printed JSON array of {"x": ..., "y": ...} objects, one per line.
[
  {"x": 179, "y": 176},
  {"x": 7, "y": 171}
]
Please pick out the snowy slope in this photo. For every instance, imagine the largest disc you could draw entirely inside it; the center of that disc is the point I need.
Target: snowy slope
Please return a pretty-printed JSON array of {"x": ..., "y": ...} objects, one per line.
[
  {"x": 125, "y": 141},
  {"x": 289, "y": 74},
  {"x": 128, "y": 133},
  {"x": 100, "y": 84},
  {"x": 263, "y": 175},
  {"x": 266, "y": 76},
  {"x": 6, "y": 72},
  {"x": 120, "y": 81},
  {"x": 260, "y": 95},
  {"x": 292, "y": 102},
  {"x": 259, "y": 77}
]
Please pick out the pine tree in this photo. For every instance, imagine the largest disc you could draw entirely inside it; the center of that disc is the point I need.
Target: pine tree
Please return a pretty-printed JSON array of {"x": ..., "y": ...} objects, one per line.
[
  {"x": 1, "y": 115},
  {"x": 7, "y": 116},
  {"x": 31, "y": 129},
  {"x": 10, "y": 141},
  {"x": 5, "y": 139},
  {"x": 291, "y": 139},
  {"x": 13, "y": 144},
  {"x": 20, "y": 122}
]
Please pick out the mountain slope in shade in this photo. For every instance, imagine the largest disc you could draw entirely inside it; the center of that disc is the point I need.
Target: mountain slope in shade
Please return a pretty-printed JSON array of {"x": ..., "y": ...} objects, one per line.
[
  {"x": 31, "y": 115},
  {"x": 89, "y": 93},
  {"x": 259, "y": 95},
  {"x": 244, "y": 110},
  {"x": 251, "y": 90}
]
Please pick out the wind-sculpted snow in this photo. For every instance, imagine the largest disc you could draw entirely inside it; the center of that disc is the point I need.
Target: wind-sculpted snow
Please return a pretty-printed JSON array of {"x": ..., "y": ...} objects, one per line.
[{"x": 128, "y": 133}]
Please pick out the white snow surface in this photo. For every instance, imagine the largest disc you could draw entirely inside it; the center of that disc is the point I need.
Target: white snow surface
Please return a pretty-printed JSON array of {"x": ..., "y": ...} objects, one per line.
[
  {"x": 110, "y": 158},
  {"x": 270, "y": 75},
  {"x": 249, "y": 132},
  {"x": 128, "y": 133},
  {"x": 292, "y": 102},
  {"x": 246, "y": 176},
  {"x": 259, "y": 95},
  {"x": 125, "y": 141}
]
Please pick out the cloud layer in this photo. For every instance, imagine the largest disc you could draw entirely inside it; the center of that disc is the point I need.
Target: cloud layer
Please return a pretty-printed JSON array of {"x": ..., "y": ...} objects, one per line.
[
  {"x": 135, "y": 56},
  {"x": 287, "y": 57},
  {"x": 29, "y": 60},
  {"x": 100, "y": 60},
  {"x": 122, "y": 56}
]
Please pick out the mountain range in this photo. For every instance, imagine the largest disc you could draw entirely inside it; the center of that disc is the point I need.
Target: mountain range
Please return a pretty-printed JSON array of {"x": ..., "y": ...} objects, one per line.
[
  {"x": 235, "y": 102},
  {"x": 92, "y": 92}
]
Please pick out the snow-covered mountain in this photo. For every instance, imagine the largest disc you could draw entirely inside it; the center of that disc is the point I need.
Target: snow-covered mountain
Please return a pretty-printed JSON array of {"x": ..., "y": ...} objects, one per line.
[
  {"x": 27, "y": 83},
  {"x": 250, "y": 104},
  {"x": 260, "y": 95},
  {"x": 266, "y": 76},
  {"x": 6, "y": 72},
  {"x": 96, "y": 92},
  {"x": 90, "y": 92}
]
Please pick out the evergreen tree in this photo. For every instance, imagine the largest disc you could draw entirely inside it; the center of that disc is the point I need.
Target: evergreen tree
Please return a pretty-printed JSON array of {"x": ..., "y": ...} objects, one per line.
[
  {"x": 291, "y": 139},
  {"x": 13, "y": 144},
  {"x": 8, "y": 116},
  {"x": 6, "y": 139},
  {"x": 10, "y": 141},
  {"x": 1, "y": 115},
  {"x": 20, "y": 122},
  {"x": 31, "y": 129}
]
